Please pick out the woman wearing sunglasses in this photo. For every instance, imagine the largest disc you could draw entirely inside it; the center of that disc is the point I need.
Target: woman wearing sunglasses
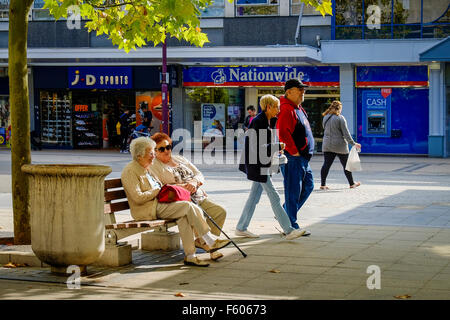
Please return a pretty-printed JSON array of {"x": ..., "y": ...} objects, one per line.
[{"x": 176, "y": 169}]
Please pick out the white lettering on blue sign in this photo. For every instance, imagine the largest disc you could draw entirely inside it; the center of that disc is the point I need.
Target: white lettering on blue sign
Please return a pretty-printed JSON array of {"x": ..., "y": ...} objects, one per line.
[
  {"x": 375, "y": 102},
  {"x": 236, "y": 74}
]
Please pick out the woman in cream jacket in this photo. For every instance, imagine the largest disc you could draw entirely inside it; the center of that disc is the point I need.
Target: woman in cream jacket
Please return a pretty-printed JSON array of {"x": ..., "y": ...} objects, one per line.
[{"x": 142, "y": 187}]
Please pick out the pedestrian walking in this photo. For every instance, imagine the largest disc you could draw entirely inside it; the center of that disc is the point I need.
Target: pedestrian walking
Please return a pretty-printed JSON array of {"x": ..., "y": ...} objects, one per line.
[
  {"x": 295, "y": 131},
  {"x": 336, "y": 138},
  {"x": 125, "y": 121},
  {"x": 251, "y": 110},
  {"x": 256, "y": 162}
]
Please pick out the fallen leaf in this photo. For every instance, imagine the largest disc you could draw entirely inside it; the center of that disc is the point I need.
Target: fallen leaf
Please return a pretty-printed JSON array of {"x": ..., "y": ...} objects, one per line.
[
  {"x": 405, "y": 296},
  {"x": 275, "y": 271},
  {"x": 179, "y": 294},
  {"x": 9, "y": 265}
]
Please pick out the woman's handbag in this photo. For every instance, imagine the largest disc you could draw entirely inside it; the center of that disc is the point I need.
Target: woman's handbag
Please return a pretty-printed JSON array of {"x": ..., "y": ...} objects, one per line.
[
  {"x": 353, "y": 162},
  {"x": 171, "y": 193}
]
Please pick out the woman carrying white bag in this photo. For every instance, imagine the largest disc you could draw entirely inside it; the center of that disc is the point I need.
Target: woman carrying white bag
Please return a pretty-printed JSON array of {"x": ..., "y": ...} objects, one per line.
[{"x": 336, "y": 138}]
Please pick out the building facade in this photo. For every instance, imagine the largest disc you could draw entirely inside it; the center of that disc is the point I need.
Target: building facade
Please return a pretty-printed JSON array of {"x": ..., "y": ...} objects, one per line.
[{"x": 386, "y": 60}]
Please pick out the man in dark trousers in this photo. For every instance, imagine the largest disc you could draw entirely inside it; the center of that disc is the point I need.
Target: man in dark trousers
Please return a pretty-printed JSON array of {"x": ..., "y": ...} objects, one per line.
[
  {"x": 251, "y": 114},
  {"x": 124, "y": 130},
  {"x": 295, "y": 131}
]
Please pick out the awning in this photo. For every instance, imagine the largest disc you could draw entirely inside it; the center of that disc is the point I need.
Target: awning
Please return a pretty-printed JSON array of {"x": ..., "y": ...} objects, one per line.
[
  {"x": 261, "y": 55},
  {"x": 439, "y": 52}
]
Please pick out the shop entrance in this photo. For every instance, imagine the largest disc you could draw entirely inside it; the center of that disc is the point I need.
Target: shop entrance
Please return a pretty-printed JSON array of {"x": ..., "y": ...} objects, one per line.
[{"x": 92, "y": 108}]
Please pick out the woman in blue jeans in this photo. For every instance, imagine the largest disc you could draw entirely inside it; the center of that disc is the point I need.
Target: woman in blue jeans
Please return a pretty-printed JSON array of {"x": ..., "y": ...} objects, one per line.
[{"x": 256, "y": 164}]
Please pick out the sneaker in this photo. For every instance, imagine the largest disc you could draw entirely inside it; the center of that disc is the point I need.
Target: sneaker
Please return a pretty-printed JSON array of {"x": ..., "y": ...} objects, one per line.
[
  {"x": 307, "y": 233},
  {"x": 296, "y": 233},
  {"x": 245, "y": 233}
]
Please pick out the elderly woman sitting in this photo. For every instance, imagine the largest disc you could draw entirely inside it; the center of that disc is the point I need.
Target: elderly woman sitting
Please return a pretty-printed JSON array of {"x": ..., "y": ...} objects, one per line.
[
  {"x": 176, "y": 169},
  {"x": 142, "y": 188}
]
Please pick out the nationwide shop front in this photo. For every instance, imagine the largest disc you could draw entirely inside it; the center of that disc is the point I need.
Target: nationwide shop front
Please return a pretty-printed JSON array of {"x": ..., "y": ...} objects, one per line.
[{"x": 217, "y": 97}]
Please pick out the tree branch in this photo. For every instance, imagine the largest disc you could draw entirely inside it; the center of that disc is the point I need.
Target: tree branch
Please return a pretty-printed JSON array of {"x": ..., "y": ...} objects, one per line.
[{"x": 112, "y": 5}]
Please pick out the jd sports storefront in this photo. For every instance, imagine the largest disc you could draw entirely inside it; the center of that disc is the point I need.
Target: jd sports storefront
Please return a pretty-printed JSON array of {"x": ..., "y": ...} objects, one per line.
[{"x": 78, "y": 107}]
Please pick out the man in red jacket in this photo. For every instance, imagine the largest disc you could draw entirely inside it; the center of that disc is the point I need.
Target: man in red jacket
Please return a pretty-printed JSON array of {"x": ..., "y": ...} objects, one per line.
[{"x": 295, "y": 131}]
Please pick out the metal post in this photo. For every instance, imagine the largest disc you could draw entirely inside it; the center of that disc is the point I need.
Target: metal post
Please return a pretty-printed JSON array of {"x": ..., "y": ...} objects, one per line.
[
  {"x": 164, "y": 91},
  {"x": 299, "y": 21}
]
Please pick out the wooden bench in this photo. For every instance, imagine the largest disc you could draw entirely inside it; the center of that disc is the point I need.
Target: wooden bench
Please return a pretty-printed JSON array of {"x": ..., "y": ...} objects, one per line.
[{"x": 119, "y": 253}]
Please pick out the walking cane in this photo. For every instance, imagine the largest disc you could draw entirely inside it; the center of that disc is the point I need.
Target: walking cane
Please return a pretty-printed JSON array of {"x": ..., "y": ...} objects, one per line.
[{"x": 212, "y": 220}]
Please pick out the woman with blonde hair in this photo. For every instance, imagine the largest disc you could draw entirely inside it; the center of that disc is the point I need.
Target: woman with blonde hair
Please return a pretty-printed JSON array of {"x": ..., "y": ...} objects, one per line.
[
  {"x": 336, "y": 138},
  {"x": 256, "y": 162}
]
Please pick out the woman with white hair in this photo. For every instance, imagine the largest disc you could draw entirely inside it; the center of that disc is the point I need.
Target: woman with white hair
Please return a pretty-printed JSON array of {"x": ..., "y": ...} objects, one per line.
[{"x": 142, "y": 188}]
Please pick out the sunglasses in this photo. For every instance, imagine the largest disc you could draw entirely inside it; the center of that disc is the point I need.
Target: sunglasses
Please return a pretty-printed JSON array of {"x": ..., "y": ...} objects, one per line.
[{"x": 162, "y": 149}]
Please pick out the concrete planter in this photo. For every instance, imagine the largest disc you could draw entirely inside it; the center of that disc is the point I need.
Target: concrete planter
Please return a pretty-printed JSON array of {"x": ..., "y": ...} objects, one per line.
[{"x": 67, "y": 223}]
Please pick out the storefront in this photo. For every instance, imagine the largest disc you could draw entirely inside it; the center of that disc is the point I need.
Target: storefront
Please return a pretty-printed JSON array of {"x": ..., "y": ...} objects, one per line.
[
  {"x": 79, "y": 107},
  {"x": 217, "y": 97},
  {"x": 392, "y": 109}
]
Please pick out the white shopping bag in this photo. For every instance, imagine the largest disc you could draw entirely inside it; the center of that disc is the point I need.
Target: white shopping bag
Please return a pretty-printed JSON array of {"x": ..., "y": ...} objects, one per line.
[{"x": 353, "y": 162}]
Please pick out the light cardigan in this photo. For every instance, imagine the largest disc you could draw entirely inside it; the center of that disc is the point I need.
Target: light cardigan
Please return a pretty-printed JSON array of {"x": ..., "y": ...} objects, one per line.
[
  {"x": 165, "y": 173},
  {"x": 141, "y": 195}
]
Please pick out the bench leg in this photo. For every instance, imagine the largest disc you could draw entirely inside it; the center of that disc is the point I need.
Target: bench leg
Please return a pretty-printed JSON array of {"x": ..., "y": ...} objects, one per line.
[
  {"x": 115, "y": 256},
  {"x": 157, "y": 240}
]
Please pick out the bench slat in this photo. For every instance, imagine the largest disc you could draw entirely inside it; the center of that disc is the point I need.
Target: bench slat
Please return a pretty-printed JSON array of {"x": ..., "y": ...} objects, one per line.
[
  {"x": 137, "y": 224},
  {"x": 117, "y": 206},
  {"x": 113, "y": 183},
  {"x": 115, "y": 195}
]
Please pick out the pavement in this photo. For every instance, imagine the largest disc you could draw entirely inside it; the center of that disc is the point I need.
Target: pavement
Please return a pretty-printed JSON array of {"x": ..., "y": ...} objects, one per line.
[{"x": 395, "y": 225}]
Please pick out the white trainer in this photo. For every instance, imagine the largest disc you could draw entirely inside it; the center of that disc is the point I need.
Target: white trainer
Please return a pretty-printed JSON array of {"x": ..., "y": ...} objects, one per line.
[
  {"x": 245, "y": 233},
  {"x": 296, "y": 233}
]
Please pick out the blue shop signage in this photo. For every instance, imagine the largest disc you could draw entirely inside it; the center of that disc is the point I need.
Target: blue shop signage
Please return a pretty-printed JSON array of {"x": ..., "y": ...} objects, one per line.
[
  {"x": 100, "y": 77},
  {"x": 320, "y": 76},
  {"x": 376, "y": 110}
]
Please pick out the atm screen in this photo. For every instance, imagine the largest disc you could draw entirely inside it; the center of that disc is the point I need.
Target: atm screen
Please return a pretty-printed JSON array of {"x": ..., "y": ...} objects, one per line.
[{"x": 376, "y": 122}]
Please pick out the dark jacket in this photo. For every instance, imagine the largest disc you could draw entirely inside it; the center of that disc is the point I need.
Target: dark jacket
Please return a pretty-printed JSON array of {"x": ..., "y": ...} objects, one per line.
[
  {"x": 125, "y": 121},
  {"x": 294, "y": 129},
  {"x": 258, "y": 150}
]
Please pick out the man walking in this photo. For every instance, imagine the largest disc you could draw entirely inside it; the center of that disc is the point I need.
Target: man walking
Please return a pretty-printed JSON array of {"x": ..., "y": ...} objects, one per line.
[
  {"x": 295, "y": 131},
  {"x": 251, "y": 114}
]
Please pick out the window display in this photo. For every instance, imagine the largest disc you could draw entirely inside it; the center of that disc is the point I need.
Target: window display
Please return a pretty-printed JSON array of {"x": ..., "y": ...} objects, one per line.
[{"x": 56, "y": 119}]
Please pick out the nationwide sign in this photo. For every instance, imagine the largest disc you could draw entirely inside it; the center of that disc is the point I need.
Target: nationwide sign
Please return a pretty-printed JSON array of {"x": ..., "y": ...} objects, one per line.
[
  {"x": 100, "y": 77},
  {"x": 327, "y": 76}
]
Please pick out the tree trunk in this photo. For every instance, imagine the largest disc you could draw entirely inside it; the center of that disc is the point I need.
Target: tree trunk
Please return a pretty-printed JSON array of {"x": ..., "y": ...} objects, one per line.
[{"x": 20, "y": 117}]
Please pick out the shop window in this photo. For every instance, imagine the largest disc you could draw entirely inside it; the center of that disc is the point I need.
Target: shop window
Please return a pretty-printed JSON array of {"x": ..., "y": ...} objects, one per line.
[
  {"x": 217, "y": 109},
  {"x": 391, "y": 19},
  {"x": 307, "y": 10},
  {"x": 56, "y": 118},
  {"x": 4, "y": 10},
  {"x": 216, "y": 9},
  {"x": 257, "y": 8}
]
